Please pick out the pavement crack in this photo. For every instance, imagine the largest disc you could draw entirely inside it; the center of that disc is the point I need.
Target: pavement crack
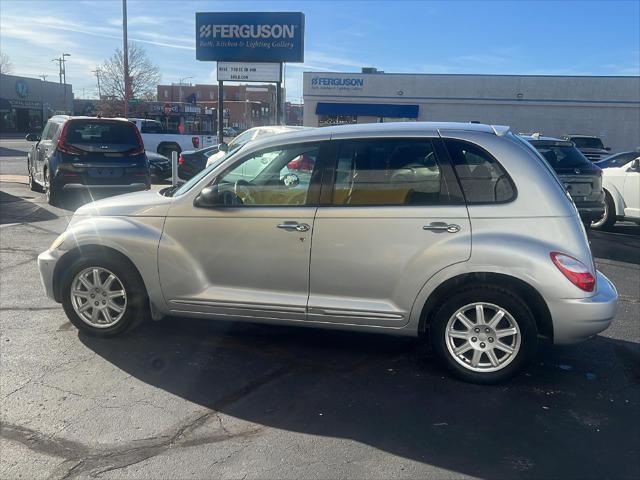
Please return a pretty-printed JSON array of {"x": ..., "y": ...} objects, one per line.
[{"x": 82, "y": 460}]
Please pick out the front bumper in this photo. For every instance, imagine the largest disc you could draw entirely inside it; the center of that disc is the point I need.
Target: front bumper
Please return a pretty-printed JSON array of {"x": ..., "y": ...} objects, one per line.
[
  {"x": 578, "y": 319},
  {"x": 46, "y": 265}
]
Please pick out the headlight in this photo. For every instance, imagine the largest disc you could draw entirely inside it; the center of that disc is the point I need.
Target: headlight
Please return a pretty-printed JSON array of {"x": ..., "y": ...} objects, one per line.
[{"x": 58, "y": 241}]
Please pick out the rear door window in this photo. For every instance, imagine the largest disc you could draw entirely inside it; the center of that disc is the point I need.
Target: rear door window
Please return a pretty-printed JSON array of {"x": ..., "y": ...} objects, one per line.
[
  {"x": 388, "y": 172},
  {"x": 102, "y": 136},
  {"x": 482, "y": 178}
]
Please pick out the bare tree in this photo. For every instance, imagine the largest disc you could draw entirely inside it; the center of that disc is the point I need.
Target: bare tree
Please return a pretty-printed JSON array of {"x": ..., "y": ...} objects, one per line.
[
  {"x": 144, "y": 75},
  {"x": 6, "y": 66}
]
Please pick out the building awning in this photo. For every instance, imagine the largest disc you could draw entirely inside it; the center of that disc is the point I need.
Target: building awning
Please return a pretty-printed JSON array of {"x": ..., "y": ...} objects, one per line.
[{"x": 368, "y": 109}]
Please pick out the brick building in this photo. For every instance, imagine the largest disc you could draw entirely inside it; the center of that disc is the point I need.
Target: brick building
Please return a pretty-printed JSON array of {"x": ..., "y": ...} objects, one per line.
[{"x": 245, "y": 106}]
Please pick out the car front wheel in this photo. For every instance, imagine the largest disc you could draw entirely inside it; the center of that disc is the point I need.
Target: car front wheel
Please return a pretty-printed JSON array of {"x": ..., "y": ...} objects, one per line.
[
  {"x": 484, "y": 334},
  {"x": 103, "y": 296}
]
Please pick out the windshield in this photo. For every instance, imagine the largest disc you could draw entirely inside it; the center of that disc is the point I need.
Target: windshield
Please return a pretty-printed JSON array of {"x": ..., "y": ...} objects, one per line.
[
  {"x": 588, "y": 142},
  {"x": 185, "y": 187},
  {"x": 561, "y": 156},
  {"x": 241, "y": 139},
  {"x": 620, "y": 159}
]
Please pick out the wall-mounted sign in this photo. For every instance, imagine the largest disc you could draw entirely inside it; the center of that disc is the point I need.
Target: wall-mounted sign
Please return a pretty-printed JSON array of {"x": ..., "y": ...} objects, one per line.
[
  {"x": 22, "y": 88},
  {"x": 250, "y": 37},
  {"x": 249, "y": 72}
]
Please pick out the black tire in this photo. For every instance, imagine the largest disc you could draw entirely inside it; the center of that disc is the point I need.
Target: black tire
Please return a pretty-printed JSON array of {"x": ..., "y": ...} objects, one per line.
[
  {"x": 136, "y": 309},
  {"x": 609, "y": 218},
  {"x": 51, "y": 191},
  {"x": 497, "y": 296},
  {"x": 33, "y": 185}
]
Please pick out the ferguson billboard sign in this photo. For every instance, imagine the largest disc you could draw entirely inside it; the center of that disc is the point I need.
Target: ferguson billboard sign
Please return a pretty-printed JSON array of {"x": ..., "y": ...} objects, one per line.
[{"x": 250, "y": 37}]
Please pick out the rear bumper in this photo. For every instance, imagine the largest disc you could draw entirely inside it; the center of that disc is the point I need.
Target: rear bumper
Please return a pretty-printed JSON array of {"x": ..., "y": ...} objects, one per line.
[
  {"x": 133, "y": 187},
  {"x": 575, "y": 320},
  {"x": 590, "y": 211}
]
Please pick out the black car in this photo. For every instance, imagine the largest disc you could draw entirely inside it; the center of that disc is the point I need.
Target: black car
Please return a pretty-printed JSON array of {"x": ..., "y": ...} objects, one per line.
[
  {"x": 581, "y": 178},
  {"x": 191, "y": 162},
  {"x": 86, "y": 154},
  {"x": 159, "y": 166},
  {"x": 590, "y": 146}
]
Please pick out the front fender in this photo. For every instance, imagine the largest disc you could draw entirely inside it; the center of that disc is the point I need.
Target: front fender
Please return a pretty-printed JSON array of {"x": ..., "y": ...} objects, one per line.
[{"x": 136, "y": 238}]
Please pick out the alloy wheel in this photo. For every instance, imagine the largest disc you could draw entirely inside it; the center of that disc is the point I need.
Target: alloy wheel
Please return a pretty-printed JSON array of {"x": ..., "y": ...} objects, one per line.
[
  {"x": 98, "y": 297},
  {"x": 483, "y": 337}
]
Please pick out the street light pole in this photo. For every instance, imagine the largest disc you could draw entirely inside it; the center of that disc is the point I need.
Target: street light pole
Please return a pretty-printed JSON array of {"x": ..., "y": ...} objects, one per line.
[
  {"x": 125, "y": 49},
  {"x": 64, "y": 68},
  {"x": 59, "y": 60},
  {"x": 180, "y": 88}
]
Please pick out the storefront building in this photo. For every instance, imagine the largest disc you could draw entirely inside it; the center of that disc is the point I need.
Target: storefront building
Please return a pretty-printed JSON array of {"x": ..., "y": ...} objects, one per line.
[
  {"x": 27, "y": 103},
  {"x": 245, "y": 106},
  {"x": 553, "y": 105}
]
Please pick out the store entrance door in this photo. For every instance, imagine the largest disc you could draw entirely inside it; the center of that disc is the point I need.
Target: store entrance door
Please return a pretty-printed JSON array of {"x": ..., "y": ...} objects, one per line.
[{"x": 22, "y": 120}]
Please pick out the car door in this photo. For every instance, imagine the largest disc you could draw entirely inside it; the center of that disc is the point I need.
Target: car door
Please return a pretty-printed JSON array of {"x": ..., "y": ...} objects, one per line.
[
  {"x": 249, "y": 256},
  {"x": 631, "y": 192},
  {"x": 43, "y": 148},
  {"x": 392, "y": 217}
]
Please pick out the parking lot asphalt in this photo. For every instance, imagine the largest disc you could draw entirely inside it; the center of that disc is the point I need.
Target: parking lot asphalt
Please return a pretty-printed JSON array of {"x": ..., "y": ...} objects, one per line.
[{"x": 186, "y": 398}]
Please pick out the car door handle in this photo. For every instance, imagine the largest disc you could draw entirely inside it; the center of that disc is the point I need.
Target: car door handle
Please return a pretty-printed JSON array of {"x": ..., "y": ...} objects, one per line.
[
  {"x": 442, "y": 227},
  {"x": 299, "y": 227}
]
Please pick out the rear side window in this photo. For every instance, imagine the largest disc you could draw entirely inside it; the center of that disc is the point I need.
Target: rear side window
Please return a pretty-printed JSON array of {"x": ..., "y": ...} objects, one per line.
[
  {"x": 388, "y": 172},
  {"x": 151, "y": 127},
  {"x": 103, "y": 133},
  {"x": 482, "y": 178}
]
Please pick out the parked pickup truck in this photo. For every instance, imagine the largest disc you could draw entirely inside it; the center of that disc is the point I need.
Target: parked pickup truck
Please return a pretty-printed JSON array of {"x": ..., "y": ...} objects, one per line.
[{"x": 157, "y": 139}]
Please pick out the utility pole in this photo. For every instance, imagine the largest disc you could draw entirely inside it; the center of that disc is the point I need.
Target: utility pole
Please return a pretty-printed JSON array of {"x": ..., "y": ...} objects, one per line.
[
  {"x": 180, "y": 88},
  {"x": 64, "y": 69},
  {"x": 97, "y": 73},
  {"x": 59, "y": 60},
  {"x": 125, "y": 50}
]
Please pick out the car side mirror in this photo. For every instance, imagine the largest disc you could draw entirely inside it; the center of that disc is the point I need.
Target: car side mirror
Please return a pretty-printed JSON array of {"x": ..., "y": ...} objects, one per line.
[
  {"x": 223, "y": 147},
  {"x": 608, "y": 149},
  {"x": 635, "y": 165},
  {"x": 32, "y": 137},
  {"x": 209, "y": 197}
]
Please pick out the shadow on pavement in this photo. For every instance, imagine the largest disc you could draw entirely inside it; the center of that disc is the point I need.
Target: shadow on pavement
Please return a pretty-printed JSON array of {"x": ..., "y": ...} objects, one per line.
[
  {"x": 571, "y": 415},
  {"x": 14, "y": 209},
  {"x": 621, "y": 243},
  {"x": 12, "y": 152}
]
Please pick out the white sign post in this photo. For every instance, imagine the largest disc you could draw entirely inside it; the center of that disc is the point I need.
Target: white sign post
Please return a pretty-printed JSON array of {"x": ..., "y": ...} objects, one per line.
[{"x": 249, "y": 72}]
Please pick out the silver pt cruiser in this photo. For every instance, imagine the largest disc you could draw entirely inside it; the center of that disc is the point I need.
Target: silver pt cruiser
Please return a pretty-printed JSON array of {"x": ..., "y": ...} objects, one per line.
[{"x": 458, "y": 233}]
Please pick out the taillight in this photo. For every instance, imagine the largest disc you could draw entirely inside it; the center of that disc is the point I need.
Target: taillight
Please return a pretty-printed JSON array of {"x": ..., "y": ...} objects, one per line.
[
  {"x": 195, "y": 141},
  {"x": 63, "y": 146},
  {"x": 576, "y": 271},
  {"x": 180, "y": 160},
  {"x": 139, "y": 150}
]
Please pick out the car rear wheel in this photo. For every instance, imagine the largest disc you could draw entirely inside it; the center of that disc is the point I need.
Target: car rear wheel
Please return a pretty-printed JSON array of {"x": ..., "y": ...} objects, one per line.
[
  {"x": 33, "y": 185},
  {"x": 609, "y": 217},
  {"x": 484, "y": 334},
  {"x": 103, "y": 296},
  {"x": 50, "y": 190}
]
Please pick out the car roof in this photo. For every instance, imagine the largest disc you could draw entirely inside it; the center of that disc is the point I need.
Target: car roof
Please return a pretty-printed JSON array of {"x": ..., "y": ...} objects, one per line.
[
  {"x": 365, "y": 130},
  {"x": 540, "y": 141},
  {"x": 64, "y": 118},
  {"x": 579, "y": 135}
]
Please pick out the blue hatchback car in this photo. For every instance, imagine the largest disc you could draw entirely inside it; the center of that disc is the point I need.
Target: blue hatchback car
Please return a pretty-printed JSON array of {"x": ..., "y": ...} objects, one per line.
[{"x": 87, "y": 154}]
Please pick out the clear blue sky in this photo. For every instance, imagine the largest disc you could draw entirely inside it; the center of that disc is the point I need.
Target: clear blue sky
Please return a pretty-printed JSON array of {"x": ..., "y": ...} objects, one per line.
[{"x": 542, "y": 37}]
